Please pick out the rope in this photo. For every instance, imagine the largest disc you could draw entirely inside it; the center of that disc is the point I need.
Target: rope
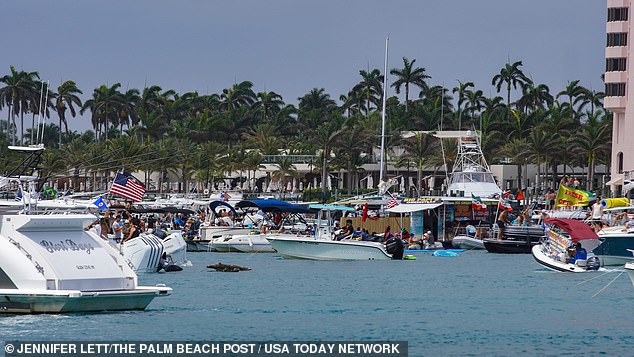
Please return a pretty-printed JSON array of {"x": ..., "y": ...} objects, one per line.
[{"x": 599, "y": 292}]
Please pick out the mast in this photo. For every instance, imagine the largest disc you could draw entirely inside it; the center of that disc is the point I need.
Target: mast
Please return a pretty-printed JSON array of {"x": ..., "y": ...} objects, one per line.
[{"x": 381, "y": 173}]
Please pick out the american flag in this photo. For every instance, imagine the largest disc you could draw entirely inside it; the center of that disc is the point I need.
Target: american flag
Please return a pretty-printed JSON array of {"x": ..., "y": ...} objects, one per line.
[
  {"x": 128, "y": 187},
  {"x": 393, "y": 202}
]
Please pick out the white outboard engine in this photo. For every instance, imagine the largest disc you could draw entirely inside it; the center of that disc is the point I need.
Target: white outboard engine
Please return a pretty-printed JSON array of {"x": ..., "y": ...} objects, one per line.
[{"x": 593, "y": 263}]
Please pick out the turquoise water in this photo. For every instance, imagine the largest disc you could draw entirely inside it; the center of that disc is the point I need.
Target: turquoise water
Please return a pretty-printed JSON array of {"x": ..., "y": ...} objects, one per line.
[{"x": 476, "y": 304}]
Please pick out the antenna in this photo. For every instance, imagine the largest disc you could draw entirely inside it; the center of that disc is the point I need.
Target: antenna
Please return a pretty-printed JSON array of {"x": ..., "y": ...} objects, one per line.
[
  {"x": 41, "y": 141},
  {"x": 381, "y": 174},
  {"x": 39, "y": 112}
]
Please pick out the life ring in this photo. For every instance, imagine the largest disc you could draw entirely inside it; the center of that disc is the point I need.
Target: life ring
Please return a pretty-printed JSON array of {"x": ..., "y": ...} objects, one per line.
[{"x": 206, "y": 191}]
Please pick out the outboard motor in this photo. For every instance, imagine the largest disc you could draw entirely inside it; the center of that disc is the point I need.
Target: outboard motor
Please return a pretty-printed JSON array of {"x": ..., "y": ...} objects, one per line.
[
  {"x": 161, "y": 234},
  {"x": 593, "y": 263},
  {"x": 395, "y": 247}
]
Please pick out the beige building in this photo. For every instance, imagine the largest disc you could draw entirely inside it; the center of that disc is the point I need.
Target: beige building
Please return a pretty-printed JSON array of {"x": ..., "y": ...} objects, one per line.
[{"x": 618, "y": 98}]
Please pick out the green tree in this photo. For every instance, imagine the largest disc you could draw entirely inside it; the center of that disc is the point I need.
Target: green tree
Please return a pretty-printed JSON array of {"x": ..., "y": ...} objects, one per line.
[
  {"x": 66, "y": 99},
  {"x": 409, "y": 75}
]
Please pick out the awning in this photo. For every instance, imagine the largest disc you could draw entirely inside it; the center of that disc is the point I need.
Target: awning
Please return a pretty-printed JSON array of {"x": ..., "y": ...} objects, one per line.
[
  {"x": 413, "y": 207},
  {"x": 577, "y": 230},
  {"x": 617, "y": 180}
]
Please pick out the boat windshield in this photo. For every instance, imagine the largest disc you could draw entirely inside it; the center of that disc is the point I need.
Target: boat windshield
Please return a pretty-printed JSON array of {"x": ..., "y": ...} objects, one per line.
[{"x": 469, "y": 177}]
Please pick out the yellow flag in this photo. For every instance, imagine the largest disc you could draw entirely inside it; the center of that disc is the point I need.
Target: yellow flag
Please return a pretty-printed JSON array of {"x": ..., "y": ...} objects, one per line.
[{"x": 568, "y": 197}]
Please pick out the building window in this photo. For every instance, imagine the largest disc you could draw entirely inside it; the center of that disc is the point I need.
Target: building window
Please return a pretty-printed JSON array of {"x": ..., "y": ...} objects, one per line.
[
  {"x": 615, "y": 64},
  {"x": 617, "y": 39},
  {"x": 619, "y": 162},
  {"x": 617, "y": 14},
  {"x": 615, "y": 89}
]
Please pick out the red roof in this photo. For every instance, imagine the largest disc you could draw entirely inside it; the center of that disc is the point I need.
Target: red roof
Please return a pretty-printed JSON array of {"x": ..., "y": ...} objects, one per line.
[{"x": 577, "y": 230}]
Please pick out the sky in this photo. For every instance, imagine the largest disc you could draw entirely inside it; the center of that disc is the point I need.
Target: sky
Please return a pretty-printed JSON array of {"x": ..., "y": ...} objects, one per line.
[{"x": 292, "y": 46}]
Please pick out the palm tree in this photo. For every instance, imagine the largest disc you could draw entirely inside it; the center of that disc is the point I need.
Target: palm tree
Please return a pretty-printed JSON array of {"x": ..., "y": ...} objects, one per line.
[
  {"x": 592, "y": 97},
  {"x": 18, "y": 90},
  {"x": 318, "y": 99},
  {"x": 325, "y": 137},
  {"x": 517, "y": 150},
  {"x": 66, "y": 98},
  {"x": 512, "y": 75},
  {"x": 535, "y": 97},
  {"x": 371, "y": 87},
  {"x": 268, "y": 104},
  {"x": 409, "y": 75},
  {"x": 592, "y": 141},
  {"x": 285, "y": 170},
  {"x": 239, "y": 95},
  {"x": 575, "y": 94},
  {"x": 420, "y": 147},
  {"x": 540, "y": 145},
  {"x": 462, "y": 89},
  {"x": 104, "y": 107}
]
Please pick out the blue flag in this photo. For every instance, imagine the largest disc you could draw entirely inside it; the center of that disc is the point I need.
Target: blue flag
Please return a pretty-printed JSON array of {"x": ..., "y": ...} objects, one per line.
[{"x": 100, "y": 203}]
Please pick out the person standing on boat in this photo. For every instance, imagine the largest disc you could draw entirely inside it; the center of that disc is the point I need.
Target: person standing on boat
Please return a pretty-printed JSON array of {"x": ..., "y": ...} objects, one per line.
[
  {"x": 597, "y": 210},
  {"x": 387, "y": 234},
  {"x": 117, "y": 228},
  {"x": 503, "y": 219}
]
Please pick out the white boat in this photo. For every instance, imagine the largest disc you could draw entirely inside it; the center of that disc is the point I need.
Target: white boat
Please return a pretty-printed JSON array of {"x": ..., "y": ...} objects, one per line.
[
  {"x": 471, "y": 174},
  {"x": 323, "y": 246},
  {"x": 243, "y": 243},
  {"x": 467, "y": 239},
  {"x": 144, "y": 252},
  {"x": 50, "y": 263},
  {"x": 552, "y": 253},
  {"x": 252, "y": 241},
  {"x": 467, "y": 242}
]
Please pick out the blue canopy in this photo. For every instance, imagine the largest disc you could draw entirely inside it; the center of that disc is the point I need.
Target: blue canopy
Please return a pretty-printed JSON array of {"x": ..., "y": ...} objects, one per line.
[
  {"x": 331, "y": 207},
  {"x": 274, "y": 206},
  {"x": 215, "y": 204}
]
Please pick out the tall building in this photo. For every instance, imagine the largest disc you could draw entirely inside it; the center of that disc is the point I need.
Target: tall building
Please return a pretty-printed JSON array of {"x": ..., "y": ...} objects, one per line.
[{"x": 619, "y": 98}]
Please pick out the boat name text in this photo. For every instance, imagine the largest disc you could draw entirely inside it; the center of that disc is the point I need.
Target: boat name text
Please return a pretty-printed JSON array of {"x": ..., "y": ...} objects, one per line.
[{"x": 66, "y": 245}]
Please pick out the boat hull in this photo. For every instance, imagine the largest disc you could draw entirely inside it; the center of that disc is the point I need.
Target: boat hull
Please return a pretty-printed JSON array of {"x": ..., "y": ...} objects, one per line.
[
  {"x": 614, "y": 249},
  {"x": 629, "y": 268},
  {"x": 508, "y": 246},
  {"x": 60, "y": 301},
  {"x": 466, "y": 242},
  {"x": 306, "y": 248},
  {"x": 249, "y": 243},
  {"x": 541, "y": 257}
]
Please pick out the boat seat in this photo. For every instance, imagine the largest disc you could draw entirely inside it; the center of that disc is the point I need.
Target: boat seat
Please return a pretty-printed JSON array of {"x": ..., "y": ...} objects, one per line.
[{"x": 581, "y": 262}]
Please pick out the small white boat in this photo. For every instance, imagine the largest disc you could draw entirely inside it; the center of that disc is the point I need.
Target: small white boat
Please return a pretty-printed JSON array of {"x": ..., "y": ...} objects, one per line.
[
  {"x": 243, "y": 243},
  {"x": 322, "y": 245},
  {"x": 562, "y": 233},
  {"x": 467, "y": 242},
  {"x": 294, "y": 247}
]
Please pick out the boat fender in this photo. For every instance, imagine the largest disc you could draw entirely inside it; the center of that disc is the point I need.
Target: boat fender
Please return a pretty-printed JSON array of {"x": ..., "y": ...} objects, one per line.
[{"x": 409, "y": 257}]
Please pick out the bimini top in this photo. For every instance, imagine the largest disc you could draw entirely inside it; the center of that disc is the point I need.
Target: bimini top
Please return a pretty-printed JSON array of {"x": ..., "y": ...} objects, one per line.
[
  {"x": 274, "y": 206},
  {"x": 577, "y": 230},
  {"x": 215, "y": 204}
]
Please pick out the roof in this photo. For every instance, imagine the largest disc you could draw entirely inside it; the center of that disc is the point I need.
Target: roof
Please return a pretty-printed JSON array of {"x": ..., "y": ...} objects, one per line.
[
  {"x": 331, "y": 207},
  {"x": 274, "y": 205},
  {"x": 577, "y": 230},
  {"x": 215, "y": 204}
]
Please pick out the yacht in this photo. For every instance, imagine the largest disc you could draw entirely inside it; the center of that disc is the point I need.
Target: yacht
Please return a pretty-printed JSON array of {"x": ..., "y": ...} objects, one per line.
[
  {"x": 471, "y": 174},
  {"x": 51, "y": 263}
]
